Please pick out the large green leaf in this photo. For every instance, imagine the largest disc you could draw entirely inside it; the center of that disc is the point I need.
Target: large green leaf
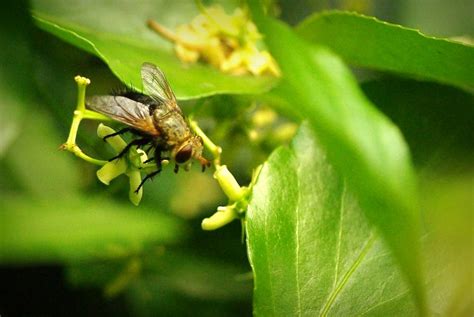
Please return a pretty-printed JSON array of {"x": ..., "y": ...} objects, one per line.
[
  {"x": 117, "y": 33},
  {"x": 435, "y": 136},
  {"x": 362, "y": 144},
  {"x": 312, "y": 251},
  {"x": 368, "y": 42},
  {"x": 76, "y": 230},
  {"x": 447, "y": 201},
  {"x": 35, "y": 162},
  {"x": 16, "y": 84},
  {"x": 443, "y": 150}
]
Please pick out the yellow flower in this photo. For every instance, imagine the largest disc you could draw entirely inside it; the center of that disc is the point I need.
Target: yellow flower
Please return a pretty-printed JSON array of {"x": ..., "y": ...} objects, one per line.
[
  {"x": 227, "y": 42},
  {"x": 124, "y": 165}
]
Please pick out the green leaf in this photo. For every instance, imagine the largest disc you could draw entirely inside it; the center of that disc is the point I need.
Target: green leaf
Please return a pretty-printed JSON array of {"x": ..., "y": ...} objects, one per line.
[
  {"x": 16, "y": 84},
  {"x": 119, "y": 36},
  {"x": 312, "y": 251},
  {"x": 36, "y": 162},
  {"x": 77, "y": 230},
  {"x": 363, "y": 145},
  {"x": 443, "y": 149},
  {"x": 435, "y": 136},
  {"x": 447, "y": 201},
  {"x": 368, "y": 42}
]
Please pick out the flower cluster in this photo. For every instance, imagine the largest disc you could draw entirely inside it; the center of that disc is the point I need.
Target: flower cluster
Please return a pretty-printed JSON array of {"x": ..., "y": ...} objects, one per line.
[{"x": 227, "y": 42}]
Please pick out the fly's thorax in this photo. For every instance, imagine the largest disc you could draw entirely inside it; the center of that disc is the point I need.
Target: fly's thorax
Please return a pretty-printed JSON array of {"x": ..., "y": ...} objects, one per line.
[
  {"x": 158, "y": 111},
  {"x": 172, "y": 126}
]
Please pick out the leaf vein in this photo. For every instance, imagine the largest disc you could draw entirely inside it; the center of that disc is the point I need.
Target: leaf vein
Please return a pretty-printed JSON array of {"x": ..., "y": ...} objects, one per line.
[
  {"x": 268, "y": 263},
  {"x": 297, "y": 233},
  {"x": 385, "y": 302},
  {"x": 332, "y": 297},
  {"x": 339, "y": 237}
]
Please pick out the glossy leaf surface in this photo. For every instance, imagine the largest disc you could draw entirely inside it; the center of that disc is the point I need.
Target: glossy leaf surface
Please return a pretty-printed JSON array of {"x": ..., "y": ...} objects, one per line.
[
  {"x": 361, "y": 143},
  {"x": 369, "y": 42},
  {"x": 311, "y": 249}
]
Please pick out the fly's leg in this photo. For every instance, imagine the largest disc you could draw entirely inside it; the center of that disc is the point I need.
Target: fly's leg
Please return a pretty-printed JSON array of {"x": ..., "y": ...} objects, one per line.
[
  {"x": 122, "y": 131},
  {"x": 176, "y": 168},
  {"x": 153, "y": 158},
  {"x": 149, "y": 160},
  {"x": 149, "y": 176},
  {"x": 138, "y": 142},
  {"x": 158, "y": 151},
  {"x": 204, "y": 163},
  {"x": 148, "y": 149},
  {"x": 157, "y": 159}
]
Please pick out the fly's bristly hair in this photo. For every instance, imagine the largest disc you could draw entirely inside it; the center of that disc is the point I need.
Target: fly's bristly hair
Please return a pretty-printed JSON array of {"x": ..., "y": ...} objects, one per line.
[
  {"x": 135, "y": 95},
  {"x": 122, "y": 90},
  {"x": 126, "y": 91}
]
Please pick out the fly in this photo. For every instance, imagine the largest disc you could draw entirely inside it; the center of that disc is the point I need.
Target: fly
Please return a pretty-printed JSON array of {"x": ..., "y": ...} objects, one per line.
[{"x": 156, "y": 118}]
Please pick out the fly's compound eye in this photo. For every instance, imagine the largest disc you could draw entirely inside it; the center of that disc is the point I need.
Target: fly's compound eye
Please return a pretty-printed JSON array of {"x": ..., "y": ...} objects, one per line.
[{"x": 184, "y": 154}]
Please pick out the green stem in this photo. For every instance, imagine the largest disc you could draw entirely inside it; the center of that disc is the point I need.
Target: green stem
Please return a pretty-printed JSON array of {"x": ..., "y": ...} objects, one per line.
[
  {"x": 237, "y": 195},
  {"x": 131, "y": 271},
  {"x": 82, "y": 83},
  {"x": 92, "y": 115},
  {"x": 78, "y": 152},
  {"x": 76, "y": 121},
  {"x": 214, "y": 149},
  {"x": 81, "y": 113}
]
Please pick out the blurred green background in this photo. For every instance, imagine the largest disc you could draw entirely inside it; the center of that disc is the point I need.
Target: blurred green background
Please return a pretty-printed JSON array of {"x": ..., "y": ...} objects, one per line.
[{"x": 70, "y": 244}]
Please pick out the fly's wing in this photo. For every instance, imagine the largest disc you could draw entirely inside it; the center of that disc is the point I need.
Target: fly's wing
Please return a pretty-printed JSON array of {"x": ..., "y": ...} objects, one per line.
[
  {"x": 156, "y": 86},
  {"x": 127, "y": 111}
]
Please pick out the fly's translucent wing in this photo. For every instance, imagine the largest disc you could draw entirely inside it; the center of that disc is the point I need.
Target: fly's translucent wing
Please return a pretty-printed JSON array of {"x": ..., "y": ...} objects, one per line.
[
  {"x": 156, "y": 86},
  {"x": 127, "y": 111}
]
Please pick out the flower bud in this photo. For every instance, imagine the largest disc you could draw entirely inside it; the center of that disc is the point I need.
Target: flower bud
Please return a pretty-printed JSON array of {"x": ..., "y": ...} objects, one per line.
[{"x": 228, "y": 183}]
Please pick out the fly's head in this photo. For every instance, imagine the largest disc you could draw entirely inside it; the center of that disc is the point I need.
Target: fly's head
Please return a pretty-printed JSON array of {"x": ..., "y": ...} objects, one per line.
[{"x": 191, "y": 148}]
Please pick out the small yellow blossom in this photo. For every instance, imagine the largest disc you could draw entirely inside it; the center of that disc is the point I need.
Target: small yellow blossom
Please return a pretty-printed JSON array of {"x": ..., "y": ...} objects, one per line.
[
  {"x": 267, "y": 126},
  {"x": 227, "y": 42},
  {"x": 127, "y": 164}
]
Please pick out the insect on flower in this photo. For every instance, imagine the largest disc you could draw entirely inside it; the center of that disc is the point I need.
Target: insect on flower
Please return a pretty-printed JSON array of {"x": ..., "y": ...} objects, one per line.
[{"x": 155, "y": 117}]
